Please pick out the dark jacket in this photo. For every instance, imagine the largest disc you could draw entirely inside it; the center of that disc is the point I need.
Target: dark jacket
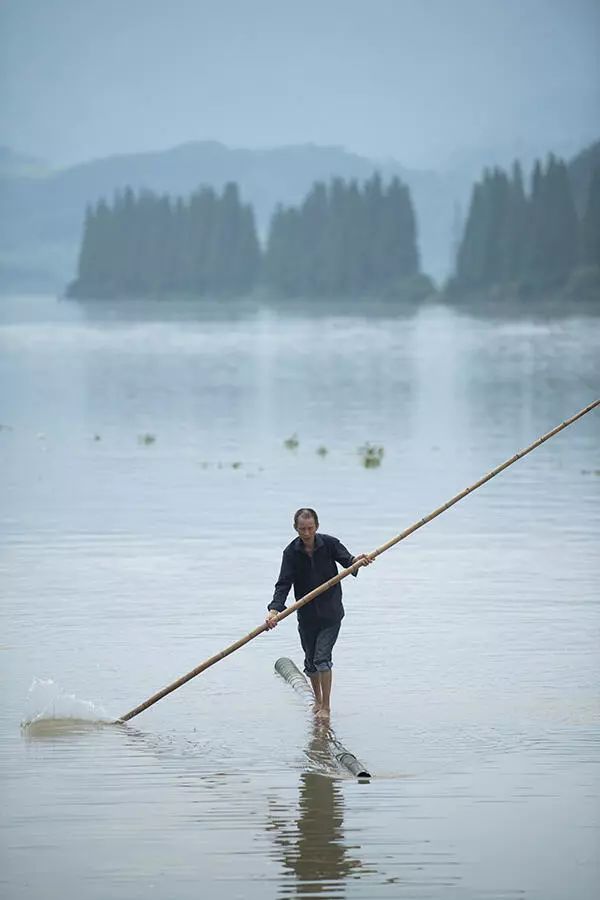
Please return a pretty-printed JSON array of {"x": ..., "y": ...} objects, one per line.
[{"x": 306, "y": 573}]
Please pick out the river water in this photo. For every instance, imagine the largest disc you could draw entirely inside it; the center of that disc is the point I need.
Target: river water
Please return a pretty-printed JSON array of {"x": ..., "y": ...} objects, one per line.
[{"x": 147, "y": 492}]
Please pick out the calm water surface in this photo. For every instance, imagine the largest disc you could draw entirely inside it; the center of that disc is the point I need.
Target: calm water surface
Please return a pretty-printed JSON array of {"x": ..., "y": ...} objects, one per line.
[{"x": 467, "y": 670}]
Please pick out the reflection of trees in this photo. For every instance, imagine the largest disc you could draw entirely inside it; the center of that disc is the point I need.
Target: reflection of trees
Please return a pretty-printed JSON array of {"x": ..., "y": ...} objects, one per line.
[{"x": 313, "y": 849}]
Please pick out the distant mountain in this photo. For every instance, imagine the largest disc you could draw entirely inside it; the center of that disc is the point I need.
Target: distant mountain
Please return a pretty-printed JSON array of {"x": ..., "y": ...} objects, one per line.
[
  {"x": 41, "y": 218},
  {"x": 16, "y": 164}
]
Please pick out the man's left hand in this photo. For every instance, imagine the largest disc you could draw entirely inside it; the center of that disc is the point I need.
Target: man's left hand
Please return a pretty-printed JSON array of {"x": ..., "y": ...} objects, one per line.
[{"x": 364, "y": 559}]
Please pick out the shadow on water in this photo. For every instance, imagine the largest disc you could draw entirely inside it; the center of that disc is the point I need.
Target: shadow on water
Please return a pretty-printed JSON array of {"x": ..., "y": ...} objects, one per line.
[
  {"x": 312, "y": 848},
  {"x": 207, "y": 310},
  {"x": 212, "y": 309}
]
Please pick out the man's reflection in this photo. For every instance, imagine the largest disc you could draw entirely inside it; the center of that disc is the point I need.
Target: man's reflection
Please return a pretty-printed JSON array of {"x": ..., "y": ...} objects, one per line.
[{"x": 314, "y": 850}]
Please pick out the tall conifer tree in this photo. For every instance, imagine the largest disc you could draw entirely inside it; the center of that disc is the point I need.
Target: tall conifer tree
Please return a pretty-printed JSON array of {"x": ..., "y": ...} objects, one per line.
[{"x": 590, "y": 226}]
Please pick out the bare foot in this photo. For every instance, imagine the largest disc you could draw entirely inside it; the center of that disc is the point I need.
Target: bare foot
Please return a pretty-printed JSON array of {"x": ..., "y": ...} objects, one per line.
[{"x": 323, "y": 713}]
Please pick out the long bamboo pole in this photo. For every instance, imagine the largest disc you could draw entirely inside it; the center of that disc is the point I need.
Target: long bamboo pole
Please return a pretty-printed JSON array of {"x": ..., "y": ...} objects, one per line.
[{"x": 353, "y": 568}]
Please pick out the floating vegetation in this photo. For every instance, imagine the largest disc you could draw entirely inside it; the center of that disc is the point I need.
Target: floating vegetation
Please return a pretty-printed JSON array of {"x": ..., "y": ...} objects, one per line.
[
  {"x": 590, "y": 471},
  {"x": 371, "y": 455},
  {"x": 97, "y": 437},
  {"x": 292, "y": 442},
  {"x": 146, "y": 438},
  {"x": 219, "y": 464},
  {"x": 322, "y": 451}
]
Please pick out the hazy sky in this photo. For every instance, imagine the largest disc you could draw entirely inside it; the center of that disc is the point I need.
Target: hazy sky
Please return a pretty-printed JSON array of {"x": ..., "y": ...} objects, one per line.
[{"x": 418, "y": 80}]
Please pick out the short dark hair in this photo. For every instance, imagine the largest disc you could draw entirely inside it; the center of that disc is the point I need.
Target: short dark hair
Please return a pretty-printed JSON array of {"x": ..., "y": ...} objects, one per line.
[{"x": 305, "y": 513}]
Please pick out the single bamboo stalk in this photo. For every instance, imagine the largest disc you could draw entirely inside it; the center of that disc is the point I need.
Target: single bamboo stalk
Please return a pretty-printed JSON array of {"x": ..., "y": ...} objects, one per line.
[
  {"x": 294, "y": 677},
  {"x": 353, "y": 568}
]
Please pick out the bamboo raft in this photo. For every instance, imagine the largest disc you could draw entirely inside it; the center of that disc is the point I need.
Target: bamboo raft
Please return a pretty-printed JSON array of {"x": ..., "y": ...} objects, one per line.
[{"x": 294, "y": 677}]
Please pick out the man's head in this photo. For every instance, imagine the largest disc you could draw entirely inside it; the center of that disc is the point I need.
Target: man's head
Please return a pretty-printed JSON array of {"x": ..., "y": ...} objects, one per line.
[{"x": 306, "y": 522}]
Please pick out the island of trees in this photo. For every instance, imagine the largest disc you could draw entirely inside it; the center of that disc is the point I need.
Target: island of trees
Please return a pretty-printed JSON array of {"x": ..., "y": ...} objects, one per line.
[
  {"x": 343, "y": 239},
  {"x": 149, "y": 245},
  {"x": 527, "y": 244},
  {"x": 348, "y": 240}
]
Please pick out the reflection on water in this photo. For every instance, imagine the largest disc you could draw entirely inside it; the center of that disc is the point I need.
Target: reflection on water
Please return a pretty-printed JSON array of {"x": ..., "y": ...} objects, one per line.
[
  {"x": 313, "y": 848},
  {"x": 467, "y": 671}
]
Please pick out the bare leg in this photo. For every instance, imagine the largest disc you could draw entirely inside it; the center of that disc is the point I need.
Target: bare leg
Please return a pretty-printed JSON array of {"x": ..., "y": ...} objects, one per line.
[
  {"x": 325, "y": 693},
  {"x": 315, "y": 680}
]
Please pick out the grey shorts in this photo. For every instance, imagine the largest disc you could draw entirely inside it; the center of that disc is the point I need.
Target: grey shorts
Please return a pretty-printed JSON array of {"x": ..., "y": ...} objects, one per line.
[{"x": 317, "y": 643}]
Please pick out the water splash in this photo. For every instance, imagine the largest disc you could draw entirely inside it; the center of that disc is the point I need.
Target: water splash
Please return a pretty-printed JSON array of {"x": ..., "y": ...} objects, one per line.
[{"x": 50, "y": 709}]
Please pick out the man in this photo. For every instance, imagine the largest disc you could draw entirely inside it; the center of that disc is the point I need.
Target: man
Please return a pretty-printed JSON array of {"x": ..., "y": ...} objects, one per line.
[{"x": 309, "y": 561}]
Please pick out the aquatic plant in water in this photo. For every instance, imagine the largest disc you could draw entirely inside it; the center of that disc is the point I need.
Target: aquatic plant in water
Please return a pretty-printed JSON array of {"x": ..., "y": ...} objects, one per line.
[
  {"x": 292, "y": 442},
  {"x": 146, "y": 438},
  {"x": 371, "y": 455},
  {"x": 322, "y": 451}
]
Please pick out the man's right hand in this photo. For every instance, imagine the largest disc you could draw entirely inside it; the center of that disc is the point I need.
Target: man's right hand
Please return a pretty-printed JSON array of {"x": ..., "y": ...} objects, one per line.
[{"x": 271, "y": 620}]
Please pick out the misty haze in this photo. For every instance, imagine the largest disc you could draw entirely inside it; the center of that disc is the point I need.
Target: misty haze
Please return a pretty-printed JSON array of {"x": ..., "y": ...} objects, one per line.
[{"x": 279, "y": 285}]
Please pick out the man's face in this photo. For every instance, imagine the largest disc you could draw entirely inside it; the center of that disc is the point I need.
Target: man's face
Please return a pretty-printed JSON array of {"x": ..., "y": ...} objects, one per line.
[{"x": 307, "y": 529}]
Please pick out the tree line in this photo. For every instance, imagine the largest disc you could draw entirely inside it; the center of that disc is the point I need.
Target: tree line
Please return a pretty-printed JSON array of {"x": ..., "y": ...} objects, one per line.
[
  {"x": 147, "y": 244},
  {"x": 531, "y": 241},
  {"x": 343, "y": 239}
]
